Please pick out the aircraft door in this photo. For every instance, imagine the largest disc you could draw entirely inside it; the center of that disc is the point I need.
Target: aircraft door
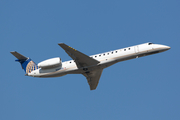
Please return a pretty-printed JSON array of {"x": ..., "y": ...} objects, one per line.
[{"x": 136, "y": 49}]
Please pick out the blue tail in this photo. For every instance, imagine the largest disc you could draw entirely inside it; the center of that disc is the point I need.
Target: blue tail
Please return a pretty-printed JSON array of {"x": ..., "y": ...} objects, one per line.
[{"x": 26, "y": 63}]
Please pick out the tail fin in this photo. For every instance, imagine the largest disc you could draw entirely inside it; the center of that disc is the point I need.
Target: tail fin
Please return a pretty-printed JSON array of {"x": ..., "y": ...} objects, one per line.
[{"x": 26, "y": 63}]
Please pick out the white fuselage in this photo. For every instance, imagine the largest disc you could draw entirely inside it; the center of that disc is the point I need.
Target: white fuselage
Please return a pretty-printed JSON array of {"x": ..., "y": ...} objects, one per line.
[{"x": 106, "y": 59}]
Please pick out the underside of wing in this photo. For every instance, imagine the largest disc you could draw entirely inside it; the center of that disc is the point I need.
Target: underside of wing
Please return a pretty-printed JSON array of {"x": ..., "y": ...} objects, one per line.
[
  {"x": 93, "y": 78},
  {"x": 80, "y": 59}
]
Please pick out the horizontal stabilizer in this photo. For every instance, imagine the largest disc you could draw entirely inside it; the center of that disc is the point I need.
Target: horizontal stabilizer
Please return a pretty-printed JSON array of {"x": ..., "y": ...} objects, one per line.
[
  {"x": 26, "y": 63},
  {"x": 18, "y": 55}
]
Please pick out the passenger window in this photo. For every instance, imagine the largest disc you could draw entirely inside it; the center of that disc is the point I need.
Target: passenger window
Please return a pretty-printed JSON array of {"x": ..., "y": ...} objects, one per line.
[
  {"x": 112, "y": 52},
  {"x": 99, "y": 55},
  {"x": 150, "y": 43},
  {"x": 129, "y": 48},
  {"x": 116, "y": 51},
  {"x": 124, "y": 49}
]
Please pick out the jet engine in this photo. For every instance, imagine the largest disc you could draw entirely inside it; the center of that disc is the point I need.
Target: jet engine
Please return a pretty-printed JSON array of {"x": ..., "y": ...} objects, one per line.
[{"x": 51, "y": 63}]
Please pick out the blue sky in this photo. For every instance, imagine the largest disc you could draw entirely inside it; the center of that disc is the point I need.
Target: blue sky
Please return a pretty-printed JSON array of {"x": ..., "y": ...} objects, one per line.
[{"x": 140, "y": 89}]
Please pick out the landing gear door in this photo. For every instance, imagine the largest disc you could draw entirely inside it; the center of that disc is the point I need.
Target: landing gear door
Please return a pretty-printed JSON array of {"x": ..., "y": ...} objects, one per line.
[{"x": 136, "y": 49}]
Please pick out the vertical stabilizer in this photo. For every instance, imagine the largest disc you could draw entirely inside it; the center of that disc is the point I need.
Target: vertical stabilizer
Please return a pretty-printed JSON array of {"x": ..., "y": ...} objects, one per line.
[{"x": 26, "y": 63}]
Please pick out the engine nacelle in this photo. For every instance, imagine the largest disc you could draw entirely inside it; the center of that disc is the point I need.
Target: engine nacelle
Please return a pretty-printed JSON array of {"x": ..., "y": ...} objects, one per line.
[{"x": 50, "y": 63}]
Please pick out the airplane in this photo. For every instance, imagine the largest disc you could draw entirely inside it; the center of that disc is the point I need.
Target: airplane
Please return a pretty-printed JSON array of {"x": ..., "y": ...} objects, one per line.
[{"x": 89, "y": 66}]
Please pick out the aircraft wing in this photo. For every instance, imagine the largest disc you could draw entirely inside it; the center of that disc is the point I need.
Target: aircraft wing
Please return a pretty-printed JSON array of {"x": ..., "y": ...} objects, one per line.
[
  {"x": 93, "y": 78},
  {"x": 79, "y": 58}
]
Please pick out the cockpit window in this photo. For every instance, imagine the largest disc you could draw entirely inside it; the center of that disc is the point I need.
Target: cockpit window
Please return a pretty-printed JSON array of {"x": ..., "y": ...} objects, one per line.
[{"x": 150, "y": 43}]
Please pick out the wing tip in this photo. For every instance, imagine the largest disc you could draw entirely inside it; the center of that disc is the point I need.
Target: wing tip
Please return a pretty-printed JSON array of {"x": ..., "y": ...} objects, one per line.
[
  {"x": 13, "y": 52},
  {"x": 92, "y": 88},
  {"x": 60, "y": 43}
]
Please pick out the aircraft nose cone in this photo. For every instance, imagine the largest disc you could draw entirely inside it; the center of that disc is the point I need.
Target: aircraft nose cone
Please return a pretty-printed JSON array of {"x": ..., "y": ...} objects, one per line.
[{"x": 167, "y": 47}]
